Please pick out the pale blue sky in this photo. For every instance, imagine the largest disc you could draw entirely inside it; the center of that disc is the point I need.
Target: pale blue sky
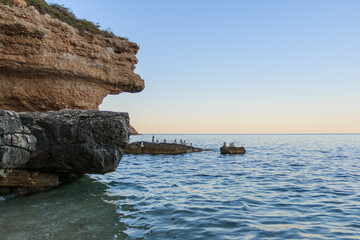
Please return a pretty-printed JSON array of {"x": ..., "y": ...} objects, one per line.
[{"x": 236, "y": 66}]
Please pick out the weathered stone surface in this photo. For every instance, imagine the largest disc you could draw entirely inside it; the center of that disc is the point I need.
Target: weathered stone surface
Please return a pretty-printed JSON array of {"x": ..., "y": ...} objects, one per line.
[
  {"x": 23, "y": 178},
  {"x": 20, "y": 3},
  {"x": 160, "y": 148},
  {"x": 46, "y": 64},
  {"x": 77, "y": 141},
  {"x": 232, "y": 150},
  {"x": 16, "y": 141}
]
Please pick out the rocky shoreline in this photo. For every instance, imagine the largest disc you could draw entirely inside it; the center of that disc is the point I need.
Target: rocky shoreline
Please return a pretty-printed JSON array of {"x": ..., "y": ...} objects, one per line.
[
  {"x": 47, "y": 66},
  {"x": 41, "y": 150}
]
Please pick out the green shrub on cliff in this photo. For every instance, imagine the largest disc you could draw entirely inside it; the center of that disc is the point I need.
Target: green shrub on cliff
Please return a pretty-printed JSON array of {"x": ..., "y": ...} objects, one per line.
[
  {"x": 66, "y": 15},
  {"x": 7, "y": 2}
]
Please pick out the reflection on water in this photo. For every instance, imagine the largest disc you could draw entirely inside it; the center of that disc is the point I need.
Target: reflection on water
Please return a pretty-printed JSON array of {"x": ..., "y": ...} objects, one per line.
[{"x": 284, "y": 187}]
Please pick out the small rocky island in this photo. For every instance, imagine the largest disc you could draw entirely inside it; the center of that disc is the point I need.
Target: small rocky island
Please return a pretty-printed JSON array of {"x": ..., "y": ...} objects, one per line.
[
  {"x": 232, "y": 149},
  {"x": 154, "y": 148}
]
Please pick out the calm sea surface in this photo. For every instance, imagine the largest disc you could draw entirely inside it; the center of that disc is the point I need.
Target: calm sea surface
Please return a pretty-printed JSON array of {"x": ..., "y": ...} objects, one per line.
[{"x": 284, "y": 187}]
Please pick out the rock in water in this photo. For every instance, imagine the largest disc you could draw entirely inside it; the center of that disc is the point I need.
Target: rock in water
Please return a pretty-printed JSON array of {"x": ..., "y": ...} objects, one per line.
[
  {"x": 16, "y": 141},
  {"x": 160, "y": 148},
  {"x": 77, "y": 141},
  {"x": 232, "y": 150}
]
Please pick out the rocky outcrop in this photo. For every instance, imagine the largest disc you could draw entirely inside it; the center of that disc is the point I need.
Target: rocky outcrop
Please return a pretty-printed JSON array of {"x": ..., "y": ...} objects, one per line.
[
  {"x": 16, "y": 141},
  {"x": 160, "y": 148},
  {"x": 232, "y": 150},
  {"x": 46, "y": 64},
  {"x": 20, "y": 3},
  {"x": 55, "y": 145},
  {"x": 77, "y": 141},
  {"x": 133, "y": 131}
]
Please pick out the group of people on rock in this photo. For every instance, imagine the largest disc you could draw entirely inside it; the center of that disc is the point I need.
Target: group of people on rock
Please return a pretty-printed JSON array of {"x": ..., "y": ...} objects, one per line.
[
  {"x": 182, "y": 142},
  {"x": 230, "y": 145}
]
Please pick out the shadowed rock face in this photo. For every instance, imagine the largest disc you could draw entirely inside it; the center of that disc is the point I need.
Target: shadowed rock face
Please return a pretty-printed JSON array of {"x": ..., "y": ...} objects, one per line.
[
  {"x": 39, "y": 151},
  {"x": 46, "y": 64},
  {"x": 77, "y": 141},
  {"x": 16, "y": 141}
]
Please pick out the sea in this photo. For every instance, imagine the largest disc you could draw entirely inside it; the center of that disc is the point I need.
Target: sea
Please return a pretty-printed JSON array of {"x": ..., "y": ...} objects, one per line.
[{"x": 283, "y": 187}]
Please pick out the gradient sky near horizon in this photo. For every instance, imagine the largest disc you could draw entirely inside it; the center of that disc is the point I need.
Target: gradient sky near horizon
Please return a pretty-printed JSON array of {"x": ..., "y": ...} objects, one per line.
[{"x": 238, "y": 66}]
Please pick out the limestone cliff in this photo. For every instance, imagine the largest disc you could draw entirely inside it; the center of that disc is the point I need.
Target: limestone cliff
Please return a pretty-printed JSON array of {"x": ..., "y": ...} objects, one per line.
[
  {"x": 133, "y": 131},
  {"x": 46, "y": 64}
]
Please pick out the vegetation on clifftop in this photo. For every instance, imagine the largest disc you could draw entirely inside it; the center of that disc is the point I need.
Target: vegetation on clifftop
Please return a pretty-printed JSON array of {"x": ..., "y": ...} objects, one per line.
[
  {"x": 7, "y": 2},
  {"x": 66, "y": 15}
]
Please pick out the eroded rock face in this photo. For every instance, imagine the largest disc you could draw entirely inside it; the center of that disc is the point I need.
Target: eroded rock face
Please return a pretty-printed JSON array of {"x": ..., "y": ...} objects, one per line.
[
  {"x": 16, "y": 141},
  {"x": 77, "y": 141},
  {"x": 46, "y": 64}
]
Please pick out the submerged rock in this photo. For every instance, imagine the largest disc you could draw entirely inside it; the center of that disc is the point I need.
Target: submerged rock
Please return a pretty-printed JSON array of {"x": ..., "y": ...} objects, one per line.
[
  {"x": 77, "y": 141},
  {"x": 232, "y": 150},
  {"x": 160, "y": 148},
  {"x": 23, "y": 178}
]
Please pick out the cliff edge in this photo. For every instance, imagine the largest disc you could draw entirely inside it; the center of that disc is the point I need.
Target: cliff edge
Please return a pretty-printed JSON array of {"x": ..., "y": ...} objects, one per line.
[{"x": 46, "y": 64}]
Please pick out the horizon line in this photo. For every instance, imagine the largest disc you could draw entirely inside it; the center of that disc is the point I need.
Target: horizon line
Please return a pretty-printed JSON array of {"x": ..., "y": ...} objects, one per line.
[{"x": 248, "y": 134}]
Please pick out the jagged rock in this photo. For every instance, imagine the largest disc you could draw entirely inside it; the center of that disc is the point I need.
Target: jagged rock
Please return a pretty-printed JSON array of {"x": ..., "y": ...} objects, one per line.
[
  {"x": 16, "y": 141},
  {"x": 77, "y": 141},
  {"x": 160, "y": 148},
  {"x": 232, "y": 150},
  {"x": 45, "y": 64}
]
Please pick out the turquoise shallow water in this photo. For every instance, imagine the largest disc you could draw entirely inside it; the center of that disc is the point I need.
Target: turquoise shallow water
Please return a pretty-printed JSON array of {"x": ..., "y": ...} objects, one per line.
[{"x": 284, "y": 187}]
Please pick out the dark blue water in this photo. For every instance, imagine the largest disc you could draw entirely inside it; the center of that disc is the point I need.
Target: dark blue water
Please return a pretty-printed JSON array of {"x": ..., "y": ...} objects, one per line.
[{"x": 284, "y": 187}]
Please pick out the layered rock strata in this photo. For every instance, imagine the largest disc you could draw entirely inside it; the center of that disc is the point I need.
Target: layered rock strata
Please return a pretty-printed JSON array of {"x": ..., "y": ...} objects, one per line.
[
  {"x": 56, "y": 145},
  {"x": 160, "y": 148},
  {"x": 45, "y": 64}
]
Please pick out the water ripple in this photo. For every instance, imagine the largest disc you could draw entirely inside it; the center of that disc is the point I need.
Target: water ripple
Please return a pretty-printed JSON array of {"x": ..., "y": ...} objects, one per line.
[{"x": 284, "y": 187}]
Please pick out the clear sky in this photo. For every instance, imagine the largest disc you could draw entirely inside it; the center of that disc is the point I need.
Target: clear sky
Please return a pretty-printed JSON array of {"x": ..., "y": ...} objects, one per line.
[{"x": 238, "y": 66}]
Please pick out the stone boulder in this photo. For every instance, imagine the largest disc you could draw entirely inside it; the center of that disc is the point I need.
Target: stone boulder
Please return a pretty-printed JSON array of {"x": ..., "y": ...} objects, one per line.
[
  {"x": 77, "y": 141},
  {"x": 16, "y": 141}
]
